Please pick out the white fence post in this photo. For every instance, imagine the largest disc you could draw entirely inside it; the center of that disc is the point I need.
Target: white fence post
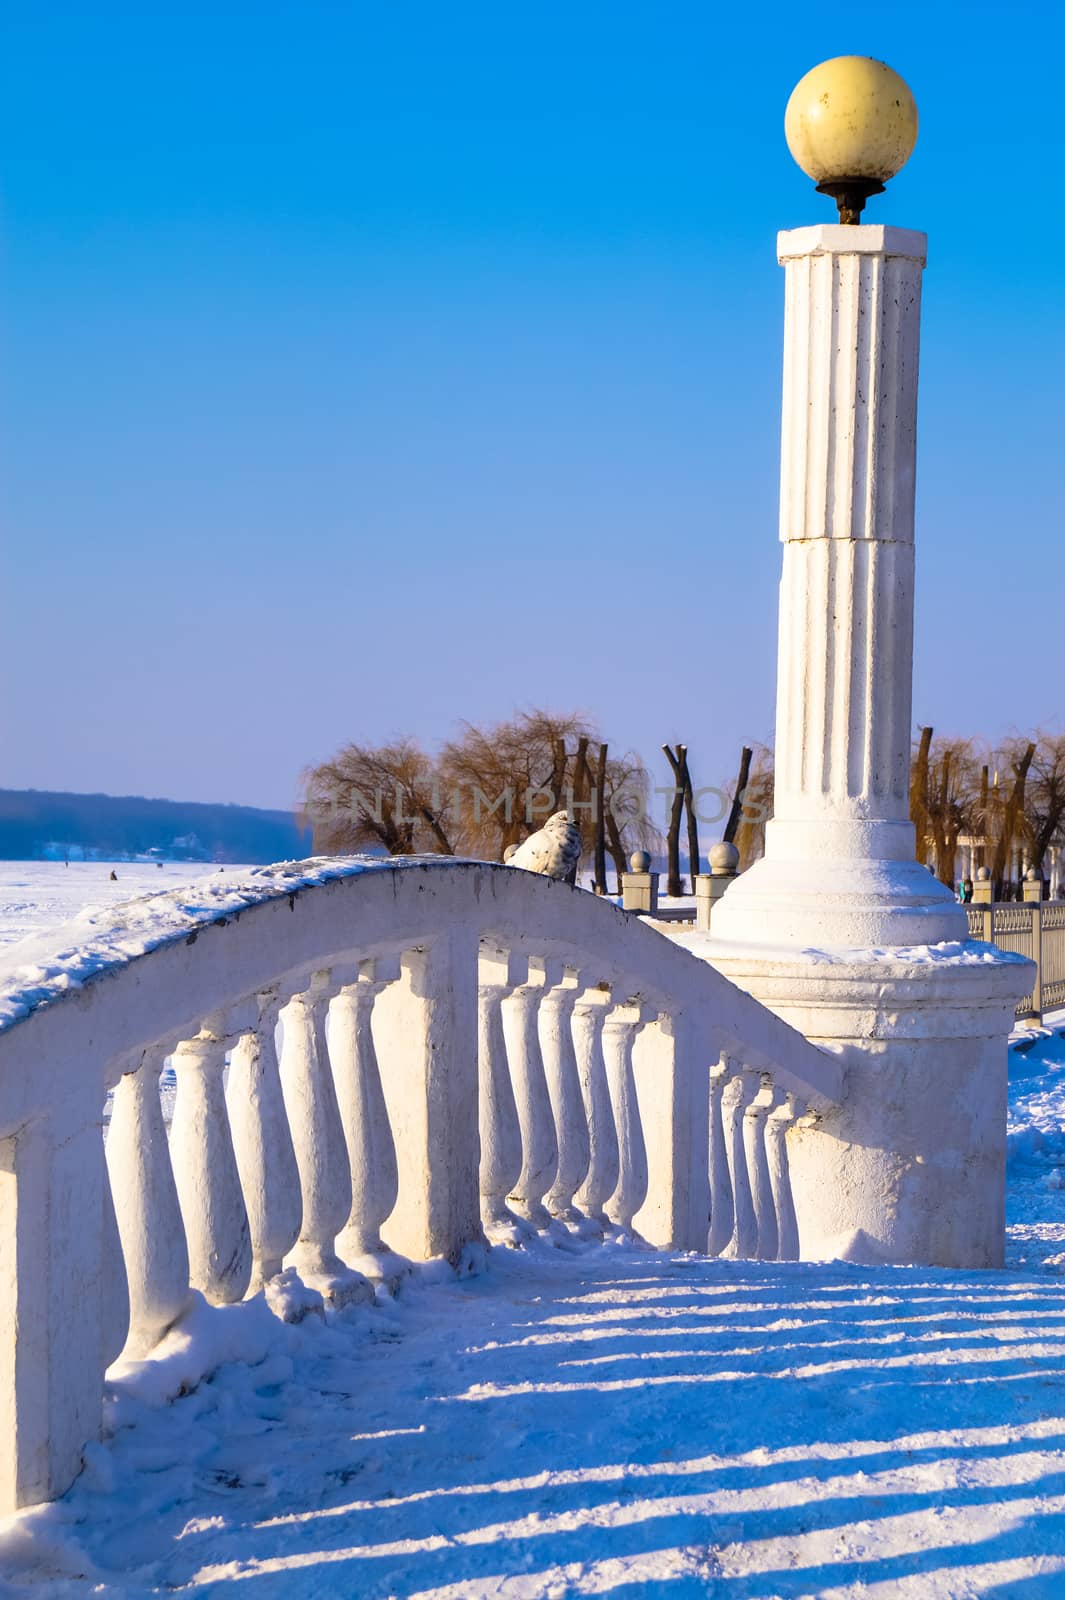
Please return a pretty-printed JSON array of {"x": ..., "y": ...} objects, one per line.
[{"x": 51, "y": 1331}]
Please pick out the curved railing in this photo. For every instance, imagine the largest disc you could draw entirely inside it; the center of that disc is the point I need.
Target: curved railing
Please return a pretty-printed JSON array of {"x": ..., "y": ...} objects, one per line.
[{"x": 338, "y": 1034}]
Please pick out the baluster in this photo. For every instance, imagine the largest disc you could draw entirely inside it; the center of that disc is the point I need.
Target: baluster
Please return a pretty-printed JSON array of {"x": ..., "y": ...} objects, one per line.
[
  {"x": 589, "y": 1020},
  {"x": 318, "y": 1140},
  {"x": 205, "y": 1169},
  {"x": 499, "y": 972},
  {"x": 631, "y": 1189},
  {"x": 739, "y": 1092},
  {"x": 147, "y": 1211},
  {"x": 722, "y": 1211},
  {"x": 114, "y": 1290},
  {"x": 564, "y": 1087},
  {"x": 777, "y": 1124},
  {"x": 262, "y": 1142},
  {"x": 520, "y": 1009},
  {"x": 754, "y": 1142},
  {"x": 364, "y": 1115}
]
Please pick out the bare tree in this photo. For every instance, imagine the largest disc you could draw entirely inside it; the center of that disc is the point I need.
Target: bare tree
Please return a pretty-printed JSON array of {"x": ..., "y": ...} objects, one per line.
[
  {"x": 678, "y": 761},
  {"x": 736, "y": 810},
  {"x": 757, "y": 805},
  {"x": 919, "y": 763},
  {"x": 1045, "y": 796},
  {"x": 386, "y": 797}
]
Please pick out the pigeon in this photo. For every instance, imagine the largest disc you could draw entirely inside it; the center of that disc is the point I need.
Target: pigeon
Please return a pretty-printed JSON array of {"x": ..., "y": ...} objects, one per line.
[{"x": 554, "y": 851}]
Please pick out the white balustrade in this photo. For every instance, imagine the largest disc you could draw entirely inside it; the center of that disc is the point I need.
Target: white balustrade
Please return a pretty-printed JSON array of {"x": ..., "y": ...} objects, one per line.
[
  {"x": 205, "y": 1170},
  {"x": 387, "y": 1097},
  {"x": 555, "y": 1021},
  {"x": 520, "y": 1008},
  {"x": 589, "y": 1019}
]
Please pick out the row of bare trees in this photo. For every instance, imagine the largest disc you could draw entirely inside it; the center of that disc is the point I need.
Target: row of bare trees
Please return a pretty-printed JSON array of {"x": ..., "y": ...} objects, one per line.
[
  {"x": 484, "y": 791},
  {"x": 1006, "y": 802}
]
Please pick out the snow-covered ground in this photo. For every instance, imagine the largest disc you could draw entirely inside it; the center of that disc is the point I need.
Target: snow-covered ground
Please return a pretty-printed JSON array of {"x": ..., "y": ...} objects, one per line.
[
  {"x": 605, "y": 1421},
  {"x": 36, "y": 896}
]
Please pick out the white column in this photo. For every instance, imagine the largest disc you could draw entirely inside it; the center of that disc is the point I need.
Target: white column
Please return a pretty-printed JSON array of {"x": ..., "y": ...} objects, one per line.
[{"x": 839, "y": 866}]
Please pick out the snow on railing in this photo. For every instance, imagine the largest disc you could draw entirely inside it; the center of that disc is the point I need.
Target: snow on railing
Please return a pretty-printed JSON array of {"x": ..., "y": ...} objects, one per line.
[{"x": 339, "y": 1032}]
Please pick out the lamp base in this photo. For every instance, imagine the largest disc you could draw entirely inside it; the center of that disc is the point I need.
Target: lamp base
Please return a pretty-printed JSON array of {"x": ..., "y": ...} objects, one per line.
[{"x": 850, "y": 195}]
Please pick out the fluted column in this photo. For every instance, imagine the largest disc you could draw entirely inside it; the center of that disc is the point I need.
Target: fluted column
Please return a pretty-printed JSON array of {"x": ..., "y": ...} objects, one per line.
[{"x": 839, "y": 866}]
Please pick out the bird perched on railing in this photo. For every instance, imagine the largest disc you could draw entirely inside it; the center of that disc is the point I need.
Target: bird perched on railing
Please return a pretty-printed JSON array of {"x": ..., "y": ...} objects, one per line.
[{"x": 554, "y": 851}]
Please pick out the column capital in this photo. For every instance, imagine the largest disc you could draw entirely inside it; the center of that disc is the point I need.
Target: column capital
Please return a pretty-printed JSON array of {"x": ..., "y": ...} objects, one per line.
[{"x": 832, "y": 239}]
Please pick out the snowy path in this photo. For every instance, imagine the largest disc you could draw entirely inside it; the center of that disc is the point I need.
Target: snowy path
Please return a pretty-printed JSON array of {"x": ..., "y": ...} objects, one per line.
[{"x": 611, "y": 1422}]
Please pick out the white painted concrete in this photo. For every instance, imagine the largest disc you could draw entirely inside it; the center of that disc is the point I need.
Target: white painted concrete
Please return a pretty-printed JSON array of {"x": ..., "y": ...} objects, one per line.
[
  {"x": 363, "y": 1139},
  {"x": 839, "y": 867}
]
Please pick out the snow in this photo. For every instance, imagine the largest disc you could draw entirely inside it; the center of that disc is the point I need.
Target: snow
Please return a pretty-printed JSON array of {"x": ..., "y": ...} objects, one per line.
[
  {"x": 599, "y": 1419},
  {"x": 38, "y": 896},
  {"x": 104, "y": 934}
]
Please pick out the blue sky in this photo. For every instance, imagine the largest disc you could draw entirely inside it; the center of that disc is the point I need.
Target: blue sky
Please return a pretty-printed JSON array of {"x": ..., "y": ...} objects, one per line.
[{"x": 367, "y": 367}]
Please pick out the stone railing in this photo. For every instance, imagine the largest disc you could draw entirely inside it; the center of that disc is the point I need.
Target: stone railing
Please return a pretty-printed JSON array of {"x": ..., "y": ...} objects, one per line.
[{"x": 337, "y": 1033}]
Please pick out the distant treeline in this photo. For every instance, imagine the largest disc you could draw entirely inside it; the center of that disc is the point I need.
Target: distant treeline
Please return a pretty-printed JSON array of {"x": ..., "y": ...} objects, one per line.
[{"x": 36, "y": 824}]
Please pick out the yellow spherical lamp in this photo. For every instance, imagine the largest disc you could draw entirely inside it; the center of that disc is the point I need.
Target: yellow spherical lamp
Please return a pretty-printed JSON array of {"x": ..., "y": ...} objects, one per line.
[{"x": 851, "y": 124}]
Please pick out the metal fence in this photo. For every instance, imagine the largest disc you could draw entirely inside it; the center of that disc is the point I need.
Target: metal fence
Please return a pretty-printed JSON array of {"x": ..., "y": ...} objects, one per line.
[{"x": 1036, "y": 930}]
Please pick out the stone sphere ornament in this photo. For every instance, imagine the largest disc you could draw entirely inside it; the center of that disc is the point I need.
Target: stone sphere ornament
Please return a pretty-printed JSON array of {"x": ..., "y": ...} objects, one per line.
[{"x": 851, "y": 124}]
